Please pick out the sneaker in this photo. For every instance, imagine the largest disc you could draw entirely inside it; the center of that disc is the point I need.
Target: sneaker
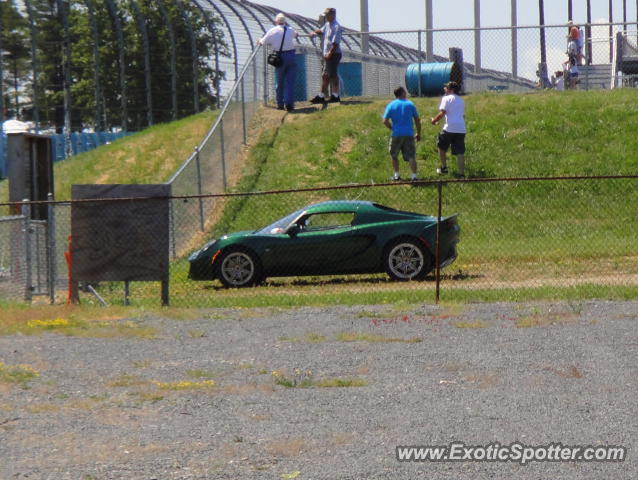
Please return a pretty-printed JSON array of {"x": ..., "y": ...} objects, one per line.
[
  {"x": 414, "y": 178},
  {"x": 459, "y": 175},
  {"x": 395, "y": 177},
  {"x": 334, "y": 99},
  {"x": 441, "y": 170},
  {"x": 318, "y": 100}
]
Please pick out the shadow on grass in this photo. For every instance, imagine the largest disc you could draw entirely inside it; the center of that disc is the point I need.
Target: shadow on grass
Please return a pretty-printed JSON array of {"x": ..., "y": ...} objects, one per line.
[{"x": 363, "y": 280}]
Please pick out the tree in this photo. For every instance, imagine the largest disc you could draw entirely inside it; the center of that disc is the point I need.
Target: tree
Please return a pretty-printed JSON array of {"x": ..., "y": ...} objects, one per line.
[
  {"x": 107, "y": 86},
  {"x": 15, "y": 58}
]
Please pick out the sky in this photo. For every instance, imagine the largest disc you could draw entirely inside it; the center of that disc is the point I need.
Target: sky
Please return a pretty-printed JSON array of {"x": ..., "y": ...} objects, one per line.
[
  {"x": 394, "y": 15},
  {"x": 410, "y": 14}
]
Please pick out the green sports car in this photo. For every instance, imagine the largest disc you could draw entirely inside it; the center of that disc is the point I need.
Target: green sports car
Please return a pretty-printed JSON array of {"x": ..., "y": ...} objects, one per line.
[{"x": 330, "y": 238}]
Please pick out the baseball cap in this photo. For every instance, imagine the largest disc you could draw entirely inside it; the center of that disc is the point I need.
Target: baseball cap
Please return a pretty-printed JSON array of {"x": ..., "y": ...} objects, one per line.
[{"x": 329, "y": 10}]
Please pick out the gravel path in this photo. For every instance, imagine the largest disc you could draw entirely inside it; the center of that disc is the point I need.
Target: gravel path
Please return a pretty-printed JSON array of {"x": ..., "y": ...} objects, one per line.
[{"x": 126, "y": 408}]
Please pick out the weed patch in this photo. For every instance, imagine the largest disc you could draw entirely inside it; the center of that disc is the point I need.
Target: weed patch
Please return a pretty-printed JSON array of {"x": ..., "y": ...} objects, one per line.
[
  {"x": 474, "y": 324},
  {"x": 304, "y": 379},
  {"x": 185, "y": 385},
  {"x": 18, "y": 374},
  {"x": 373, "y": 338}
]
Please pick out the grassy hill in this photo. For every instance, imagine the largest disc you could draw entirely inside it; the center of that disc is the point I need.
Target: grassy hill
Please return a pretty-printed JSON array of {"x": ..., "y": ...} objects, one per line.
[
  {"x": 541, "y": 134},
  {"x": 514, "y": 233},
  {"x": 545, "y": 134},
  {"x": 519, "y": 234},
  {"x": 151, "y": 156}
]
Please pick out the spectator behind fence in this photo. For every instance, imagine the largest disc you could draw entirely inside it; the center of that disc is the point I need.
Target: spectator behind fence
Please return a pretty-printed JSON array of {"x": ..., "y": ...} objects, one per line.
[
  {"x": 576, "y": 34},
  {"x": 331, "y": 50},
  {"x": 559, "y": 80},
  {"x": 453, "y": 134},
  {"x": 281, "y": 36},
  {"x": 571, "y": 65},
  {"x": 398, "y": 117}
]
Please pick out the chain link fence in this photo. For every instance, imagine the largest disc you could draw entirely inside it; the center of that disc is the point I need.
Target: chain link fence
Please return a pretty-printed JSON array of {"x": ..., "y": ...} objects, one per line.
[
  {"x": 514, "y": 59},
  {"x": 522, "y": 234}
]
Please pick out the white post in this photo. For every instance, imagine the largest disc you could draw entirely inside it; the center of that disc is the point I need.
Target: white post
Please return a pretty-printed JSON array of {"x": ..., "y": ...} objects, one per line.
[
  {"x": 514, "y": 40},
  {"x": 477, "y": 36},
  {"x": 429, "y": 35},
  {"x": 365, "y": 27}
]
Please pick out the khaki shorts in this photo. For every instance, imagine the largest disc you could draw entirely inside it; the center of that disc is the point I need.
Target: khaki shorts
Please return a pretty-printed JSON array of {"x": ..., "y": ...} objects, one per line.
[
  {"x": 331, "y": 67},
  {"x": 405, "y": 145}
]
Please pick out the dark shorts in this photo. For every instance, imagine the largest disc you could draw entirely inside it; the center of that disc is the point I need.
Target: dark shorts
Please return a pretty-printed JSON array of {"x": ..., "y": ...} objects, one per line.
[
  {"x": 405, "y": 145},
  {"x": 330, "y": 67},
  {"x": 457, "y": 140}
]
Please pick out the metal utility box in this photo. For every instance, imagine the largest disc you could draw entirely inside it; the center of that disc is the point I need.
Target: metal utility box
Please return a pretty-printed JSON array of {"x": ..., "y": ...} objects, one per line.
[{"x": 30, "y": 170}]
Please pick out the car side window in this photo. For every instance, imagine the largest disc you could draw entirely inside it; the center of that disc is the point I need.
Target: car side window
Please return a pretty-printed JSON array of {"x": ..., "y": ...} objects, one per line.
[{"x": 327, "y": 221}]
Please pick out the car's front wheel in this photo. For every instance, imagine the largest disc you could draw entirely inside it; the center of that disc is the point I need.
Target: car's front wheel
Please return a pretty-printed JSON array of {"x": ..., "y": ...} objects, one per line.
[
  {"x": 406, "y": 260},
  {"x": 239, "y": 268}
]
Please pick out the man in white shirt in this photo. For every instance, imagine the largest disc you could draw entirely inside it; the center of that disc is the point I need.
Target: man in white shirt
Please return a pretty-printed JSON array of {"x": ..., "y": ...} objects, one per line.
[
  {"x": 281, "y": 36},
  {"x": 453, "y": 133}
]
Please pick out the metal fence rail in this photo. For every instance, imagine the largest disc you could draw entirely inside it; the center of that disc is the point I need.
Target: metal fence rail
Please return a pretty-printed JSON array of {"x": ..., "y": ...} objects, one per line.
[
  {"x": 209, "y": 167},
  {"x": 560, "y": 233}
]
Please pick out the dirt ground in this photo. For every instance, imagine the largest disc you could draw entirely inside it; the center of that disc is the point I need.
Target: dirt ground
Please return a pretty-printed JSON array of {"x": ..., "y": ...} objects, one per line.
[{"x": 320, "y": 393}]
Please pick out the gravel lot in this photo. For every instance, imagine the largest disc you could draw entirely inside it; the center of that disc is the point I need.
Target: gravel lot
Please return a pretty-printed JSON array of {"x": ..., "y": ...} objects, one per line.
[{"x": 536, "y": 373}]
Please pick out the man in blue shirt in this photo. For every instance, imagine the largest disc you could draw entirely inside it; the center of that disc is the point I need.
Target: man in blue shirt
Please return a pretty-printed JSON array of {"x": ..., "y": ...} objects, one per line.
[
  {"x": 398, "y": 117},
  {"x": 331, "y": 50}
]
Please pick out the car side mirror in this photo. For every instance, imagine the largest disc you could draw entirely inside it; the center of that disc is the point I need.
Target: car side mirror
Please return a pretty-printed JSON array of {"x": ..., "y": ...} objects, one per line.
[{"x": 293, "y": 230}]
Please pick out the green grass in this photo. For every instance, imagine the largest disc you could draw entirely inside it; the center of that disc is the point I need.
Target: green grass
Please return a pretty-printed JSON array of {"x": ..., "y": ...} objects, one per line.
[
  {"x": 517, "y": 237},
  {"x": 304, "y": 379},
  {"x": 18, "y": 374},
  {"x": 150, "y": 156}
]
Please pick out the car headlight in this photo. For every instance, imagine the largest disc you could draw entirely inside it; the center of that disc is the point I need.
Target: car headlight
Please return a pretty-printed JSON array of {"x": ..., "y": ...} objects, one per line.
[{"x": 195, "y": 255}]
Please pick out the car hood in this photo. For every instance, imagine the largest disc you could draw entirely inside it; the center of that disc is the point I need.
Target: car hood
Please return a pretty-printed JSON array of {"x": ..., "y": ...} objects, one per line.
[{"x": 212, "y": 246}]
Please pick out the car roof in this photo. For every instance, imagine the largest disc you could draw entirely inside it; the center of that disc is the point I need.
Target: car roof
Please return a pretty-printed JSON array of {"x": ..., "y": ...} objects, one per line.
[{"x": 340, "y": 206}]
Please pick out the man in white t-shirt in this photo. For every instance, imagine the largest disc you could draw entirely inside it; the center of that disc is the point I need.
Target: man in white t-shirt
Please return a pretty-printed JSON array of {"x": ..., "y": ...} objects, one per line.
[
  {"x": 453, "y": 133},
  {"x": 281, "y": 37}
]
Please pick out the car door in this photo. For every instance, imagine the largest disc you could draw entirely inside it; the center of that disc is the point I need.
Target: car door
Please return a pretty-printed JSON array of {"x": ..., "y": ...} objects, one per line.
[{"x": 324, "y": 243}]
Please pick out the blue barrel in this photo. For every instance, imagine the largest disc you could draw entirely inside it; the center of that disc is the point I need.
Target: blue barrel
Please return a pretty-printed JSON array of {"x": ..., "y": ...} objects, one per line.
[{"x": 432, "y": 77}]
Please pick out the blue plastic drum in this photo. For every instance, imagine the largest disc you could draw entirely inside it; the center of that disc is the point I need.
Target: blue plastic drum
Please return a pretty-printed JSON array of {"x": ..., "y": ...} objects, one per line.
[{"x": 432, "y": 77}]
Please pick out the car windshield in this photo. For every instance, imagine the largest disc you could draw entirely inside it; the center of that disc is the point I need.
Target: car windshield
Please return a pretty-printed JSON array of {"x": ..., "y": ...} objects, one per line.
[{"x": 280, "y": 225}]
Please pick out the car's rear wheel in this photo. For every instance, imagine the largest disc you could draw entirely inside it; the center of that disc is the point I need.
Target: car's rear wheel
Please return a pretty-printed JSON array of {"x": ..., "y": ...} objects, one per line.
[
  {"x": 239, "y": 268},
  {"x": 405, "y": 259}
]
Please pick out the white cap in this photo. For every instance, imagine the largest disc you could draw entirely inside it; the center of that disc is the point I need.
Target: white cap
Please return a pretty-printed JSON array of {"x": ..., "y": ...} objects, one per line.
[{"x": 280, "y": 19}]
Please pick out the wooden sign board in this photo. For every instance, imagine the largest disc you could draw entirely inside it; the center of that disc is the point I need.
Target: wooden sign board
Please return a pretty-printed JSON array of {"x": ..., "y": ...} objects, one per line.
[{"x": 121, "y": 236}]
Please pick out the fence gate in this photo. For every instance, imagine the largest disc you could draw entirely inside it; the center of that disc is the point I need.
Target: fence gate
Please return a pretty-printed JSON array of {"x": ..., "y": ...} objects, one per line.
[{"x": 27, "y": 254}]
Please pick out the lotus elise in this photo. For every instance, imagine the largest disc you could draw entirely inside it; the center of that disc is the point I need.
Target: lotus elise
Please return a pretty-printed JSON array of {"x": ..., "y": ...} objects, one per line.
[{"x": 330, "y": 238}]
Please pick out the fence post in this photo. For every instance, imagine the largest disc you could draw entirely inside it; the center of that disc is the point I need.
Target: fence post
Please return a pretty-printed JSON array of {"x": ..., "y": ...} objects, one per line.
[
  {"x": 223, "y": 149},
  {"x": 437, "y": 254},
  {"x": 26, "y": 226},
  {"x": 243, "y": 110},
  {"x": 51, "y": 248},
  {"x": 265, "y": 78},
  {"x": 199, "y": 188},
  {"x": 420, "y": 52},
  {"x": 429, "y": 35},
  {"x": 171, "y": 222}
]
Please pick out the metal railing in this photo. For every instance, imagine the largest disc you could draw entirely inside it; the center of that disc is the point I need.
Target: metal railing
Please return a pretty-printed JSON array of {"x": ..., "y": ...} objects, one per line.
[{"x": 208, "y": 168}]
